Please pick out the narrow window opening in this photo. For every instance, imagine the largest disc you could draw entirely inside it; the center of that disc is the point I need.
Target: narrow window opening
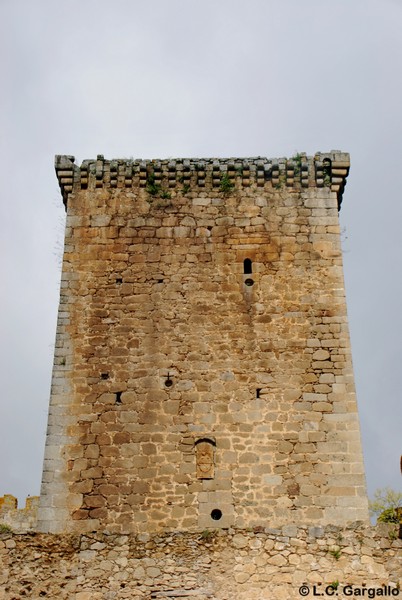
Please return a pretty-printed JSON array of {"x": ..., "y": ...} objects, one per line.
[
  {"x": 119, "y": 280},
  {"x": 104, "y": 375},
  {"x": 216, "y": 514},
  {"x": 118, "y": 397},
  {"x": 168, "y": 381},
  {"x": 248, "y": 266},
  {"x": 258, "y": 392}
]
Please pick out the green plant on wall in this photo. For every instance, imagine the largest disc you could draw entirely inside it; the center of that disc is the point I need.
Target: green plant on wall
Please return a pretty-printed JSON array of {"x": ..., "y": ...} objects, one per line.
[
  {"x": 327, "y": 180},
  {"x": 152, "y": 188},
  {"x": 327, "y": 172},
  {"x": 226, "y": 185},
  {"x": 335, "y": 552},
  {"x": 297, "y": 159},
  {"x": 281, "y": 182},
  {"x": 156, "y": 190}
]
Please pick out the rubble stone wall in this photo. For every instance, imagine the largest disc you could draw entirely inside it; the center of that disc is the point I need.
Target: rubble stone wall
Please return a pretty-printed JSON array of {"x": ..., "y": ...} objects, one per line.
[{"x": 264, "y": 564}]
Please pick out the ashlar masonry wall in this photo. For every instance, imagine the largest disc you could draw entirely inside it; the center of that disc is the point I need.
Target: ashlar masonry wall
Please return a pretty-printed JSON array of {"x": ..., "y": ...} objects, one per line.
[{"x": 203, "y": 373}]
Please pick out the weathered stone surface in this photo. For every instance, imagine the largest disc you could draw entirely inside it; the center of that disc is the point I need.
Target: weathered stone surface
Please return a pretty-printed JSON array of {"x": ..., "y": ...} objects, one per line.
[
  {"x": 19, "y": 520},
  {"x": 201, "y": 300},
  {"x": 219, "y": 565}
]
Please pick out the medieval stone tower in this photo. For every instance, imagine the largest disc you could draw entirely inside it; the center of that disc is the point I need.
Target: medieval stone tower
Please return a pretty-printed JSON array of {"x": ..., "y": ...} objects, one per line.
[{"x": 202, "y": 374}]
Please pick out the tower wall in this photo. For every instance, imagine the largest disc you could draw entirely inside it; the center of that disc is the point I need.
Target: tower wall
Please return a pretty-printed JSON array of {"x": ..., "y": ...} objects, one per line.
[{"x": 203, "y": 373}]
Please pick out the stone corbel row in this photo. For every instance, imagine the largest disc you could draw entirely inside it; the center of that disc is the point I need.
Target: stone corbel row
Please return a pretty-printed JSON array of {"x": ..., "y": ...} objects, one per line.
[
  {"x": 323, "y": 170},
  {"x": 65, "y": 170},
  {"x": 332, "y": 170}
]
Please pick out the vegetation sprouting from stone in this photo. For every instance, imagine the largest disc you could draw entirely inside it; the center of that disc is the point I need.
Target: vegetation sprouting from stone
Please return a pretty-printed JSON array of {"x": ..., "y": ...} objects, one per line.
[
  {"x": 335, "y": 552},
  {"x": 297, "y": 159},
  {"x": 226, "y": 185},
  {"x": 152, "y": 188},
  {"x": 155, "y": 189}
]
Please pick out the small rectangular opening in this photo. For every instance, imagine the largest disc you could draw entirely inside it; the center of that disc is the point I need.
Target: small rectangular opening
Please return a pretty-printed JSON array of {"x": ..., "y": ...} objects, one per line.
[{"x": 248, "y": 266}]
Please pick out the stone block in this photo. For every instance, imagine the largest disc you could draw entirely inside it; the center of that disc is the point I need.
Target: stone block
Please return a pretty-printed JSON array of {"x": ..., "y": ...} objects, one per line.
[{"x": 312, "y": 397}]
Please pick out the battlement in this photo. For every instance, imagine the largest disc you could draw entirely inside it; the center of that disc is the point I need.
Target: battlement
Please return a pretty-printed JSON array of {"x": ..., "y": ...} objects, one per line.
[
  {"x": 19, "y": 520},
  {"x": 168, "y": 176}
]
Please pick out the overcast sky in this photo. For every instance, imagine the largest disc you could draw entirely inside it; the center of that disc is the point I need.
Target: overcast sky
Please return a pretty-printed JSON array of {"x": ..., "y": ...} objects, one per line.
[{"x": 186, "y": 78}]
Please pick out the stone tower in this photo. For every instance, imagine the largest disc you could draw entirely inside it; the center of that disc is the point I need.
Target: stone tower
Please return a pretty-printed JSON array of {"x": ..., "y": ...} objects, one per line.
[{"x": 202, "y": 373}]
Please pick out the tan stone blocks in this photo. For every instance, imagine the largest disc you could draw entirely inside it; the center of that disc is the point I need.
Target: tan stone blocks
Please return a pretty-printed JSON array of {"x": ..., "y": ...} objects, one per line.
[
  {"x": 92, "y": 472},
  {"x": 91, "y": 451},
  {"x": 163, "y": 293},
  {"x": 312, "y": 397},
  {"x": 82, "y": 487}
]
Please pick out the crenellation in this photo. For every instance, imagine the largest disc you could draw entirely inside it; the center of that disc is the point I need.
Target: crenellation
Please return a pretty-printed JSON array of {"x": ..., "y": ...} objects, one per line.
[
  {"x": 19, "y": 520},
  {"x": 184, "y": 175}
]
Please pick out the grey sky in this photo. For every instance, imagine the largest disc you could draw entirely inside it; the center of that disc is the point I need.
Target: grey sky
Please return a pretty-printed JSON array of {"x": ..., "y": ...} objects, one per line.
[{"x": 186, "y": 78}]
